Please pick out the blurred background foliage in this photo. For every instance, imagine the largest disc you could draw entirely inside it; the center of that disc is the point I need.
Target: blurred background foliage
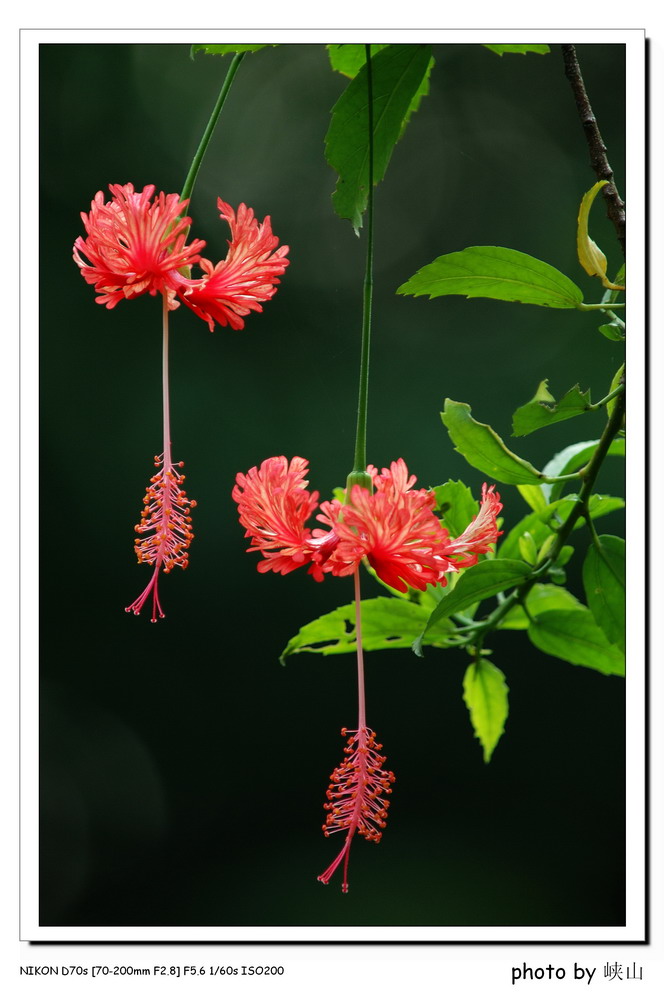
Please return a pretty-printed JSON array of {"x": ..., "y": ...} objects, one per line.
[{"x": 183, "y": 769}]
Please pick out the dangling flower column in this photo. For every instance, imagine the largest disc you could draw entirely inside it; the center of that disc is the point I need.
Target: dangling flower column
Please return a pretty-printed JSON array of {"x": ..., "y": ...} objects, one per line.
[
  {"x": 384, "y": 521},
  {"x": 136, "y": 244}
]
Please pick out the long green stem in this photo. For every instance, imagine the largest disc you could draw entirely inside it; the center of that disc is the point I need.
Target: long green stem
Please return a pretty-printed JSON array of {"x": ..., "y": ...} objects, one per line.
[
  {"x": 358, "y": 475},
  {"x": 207, "y": 135}
]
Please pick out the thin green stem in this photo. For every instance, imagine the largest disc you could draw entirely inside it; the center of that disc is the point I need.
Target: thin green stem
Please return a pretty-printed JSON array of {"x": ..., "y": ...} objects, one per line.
[
  {"x": 585, "y": 306},
  {"x": 360, "y": 459},
  {"x": 207, "y": 135},
  {"x": 607, "y": 399}
]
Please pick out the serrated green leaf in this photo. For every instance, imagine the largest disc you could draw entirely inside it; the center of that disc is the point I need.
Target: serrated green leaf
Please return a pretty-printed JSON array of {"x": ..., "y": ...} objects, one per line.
[
  {"x": 542, "y": 597},
  {"x": 572, "y": 458},
  {"x": 495, "y": 273},
  {"x": 387, "y": 623},
  {"x": 397, "y": 74},
  {"x": 222, "y": 50},
  {"x": 575, "y": 637},
  {"x": 485, "y": 694},
  {"x": 485, "y": 579},
  {"x": 518, "y": 49},
  {"x": 349, "y": 59},
  {"x": 604, "y": 584},
  {"x": 456, "y": 505},
  {"x": 543, "y": 409},
  {"x": 484, "y": 449}
]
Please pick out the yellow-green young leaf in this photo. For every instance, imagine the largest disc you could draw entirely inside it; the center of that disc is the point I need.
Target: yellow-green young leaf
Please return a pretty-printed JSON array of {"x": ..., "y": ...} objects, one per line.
[
  {"x": 528, "y": 548},
  {"x": 485, "y": 694},
  {"x": 591, "y": 258},
  {"x": 533, "y": 496}
]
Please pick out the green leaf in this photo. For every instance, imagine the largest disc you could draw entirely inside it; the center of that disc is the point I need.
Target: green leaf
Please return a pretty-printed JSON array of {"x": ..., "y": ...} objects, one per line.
[
  {"x": 572, "y": 458},
  {"x": 397, "y": 74},
  {"x": 543, "y": 409},
  {"x": 222, "y": 50},
  {"x": 485, "y": 694},
  {"x": 540, "y": 523},
  {"x": 349, "y": 59},
  {"x": 495, "y": 273},
  {"x": 533, "y": 496},
  {"x": 542, "y": 597},
  {"x": 456, "y": 505},
  {"x": 612, "y": 331},
  {"x": 604, "y": 584},
  {"x": 617, "y": 379},
  {"x": 387, "y": 623},
  {"x": 484, "y": 449},
  {"x": 483, "y": 580},
  {"x": 518, "y": 49},
  {"x": 528, "y": 548},
  {"x": 574, "y": 636}
]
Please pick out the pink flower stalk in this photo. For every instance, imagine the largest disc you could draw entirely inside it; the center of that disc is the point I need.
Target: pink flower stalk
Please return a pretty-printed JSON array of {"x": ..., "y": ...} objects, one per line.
[
  {"x": 136, "y": 244},
  {"x": 394, "y": 528}
]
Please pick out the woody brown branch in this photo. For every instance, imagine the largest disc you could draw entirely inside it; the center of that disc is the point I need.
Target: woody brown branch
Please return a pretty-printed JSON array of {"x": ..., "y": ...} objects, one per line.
[{"x": 615, "y": 207}]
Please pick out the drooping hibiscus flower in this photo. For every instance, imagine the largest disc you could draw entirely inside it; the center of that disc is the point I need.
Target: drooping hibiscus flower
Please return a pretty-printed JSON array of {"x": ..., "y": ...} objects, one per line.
[
  {"x": 136, "y": 244},
  {"x": 395, "y": 529}
]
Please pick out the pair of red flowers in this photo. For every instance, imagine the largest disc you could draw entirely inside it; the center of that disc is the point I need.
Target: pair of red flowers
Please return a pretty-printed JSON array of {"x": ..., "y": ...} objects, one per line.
[
  {"x": 136, "y": 245},
  {"x": 394, "y": 528}
]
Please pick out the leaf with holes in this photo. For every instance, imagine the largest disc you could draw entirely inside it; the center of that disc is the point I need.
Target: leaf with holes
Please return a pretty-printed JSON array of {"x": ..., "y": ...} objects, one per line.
[{"x": 387, "y": 623}]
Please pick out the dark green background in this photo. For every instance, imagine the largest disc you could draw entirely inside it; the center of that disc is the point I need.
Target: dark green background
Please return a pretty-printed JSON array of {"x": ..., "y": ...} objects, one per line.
[{"x": 183, "y": 769}]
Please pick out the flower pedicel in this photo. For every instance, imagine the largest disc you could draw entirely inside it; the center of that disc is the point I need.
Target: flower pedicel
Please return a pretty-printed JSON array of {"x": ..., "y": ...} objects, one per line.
[{"x": 136, "y": 245}]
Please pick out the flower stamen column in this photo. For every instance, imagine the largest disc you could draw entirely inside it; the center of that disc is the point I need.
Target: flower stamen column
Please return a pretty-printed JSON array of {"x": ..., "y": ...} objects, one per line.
[
  {"x": 165, "y": 519},
  {"x": 357, "y": 796}
]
